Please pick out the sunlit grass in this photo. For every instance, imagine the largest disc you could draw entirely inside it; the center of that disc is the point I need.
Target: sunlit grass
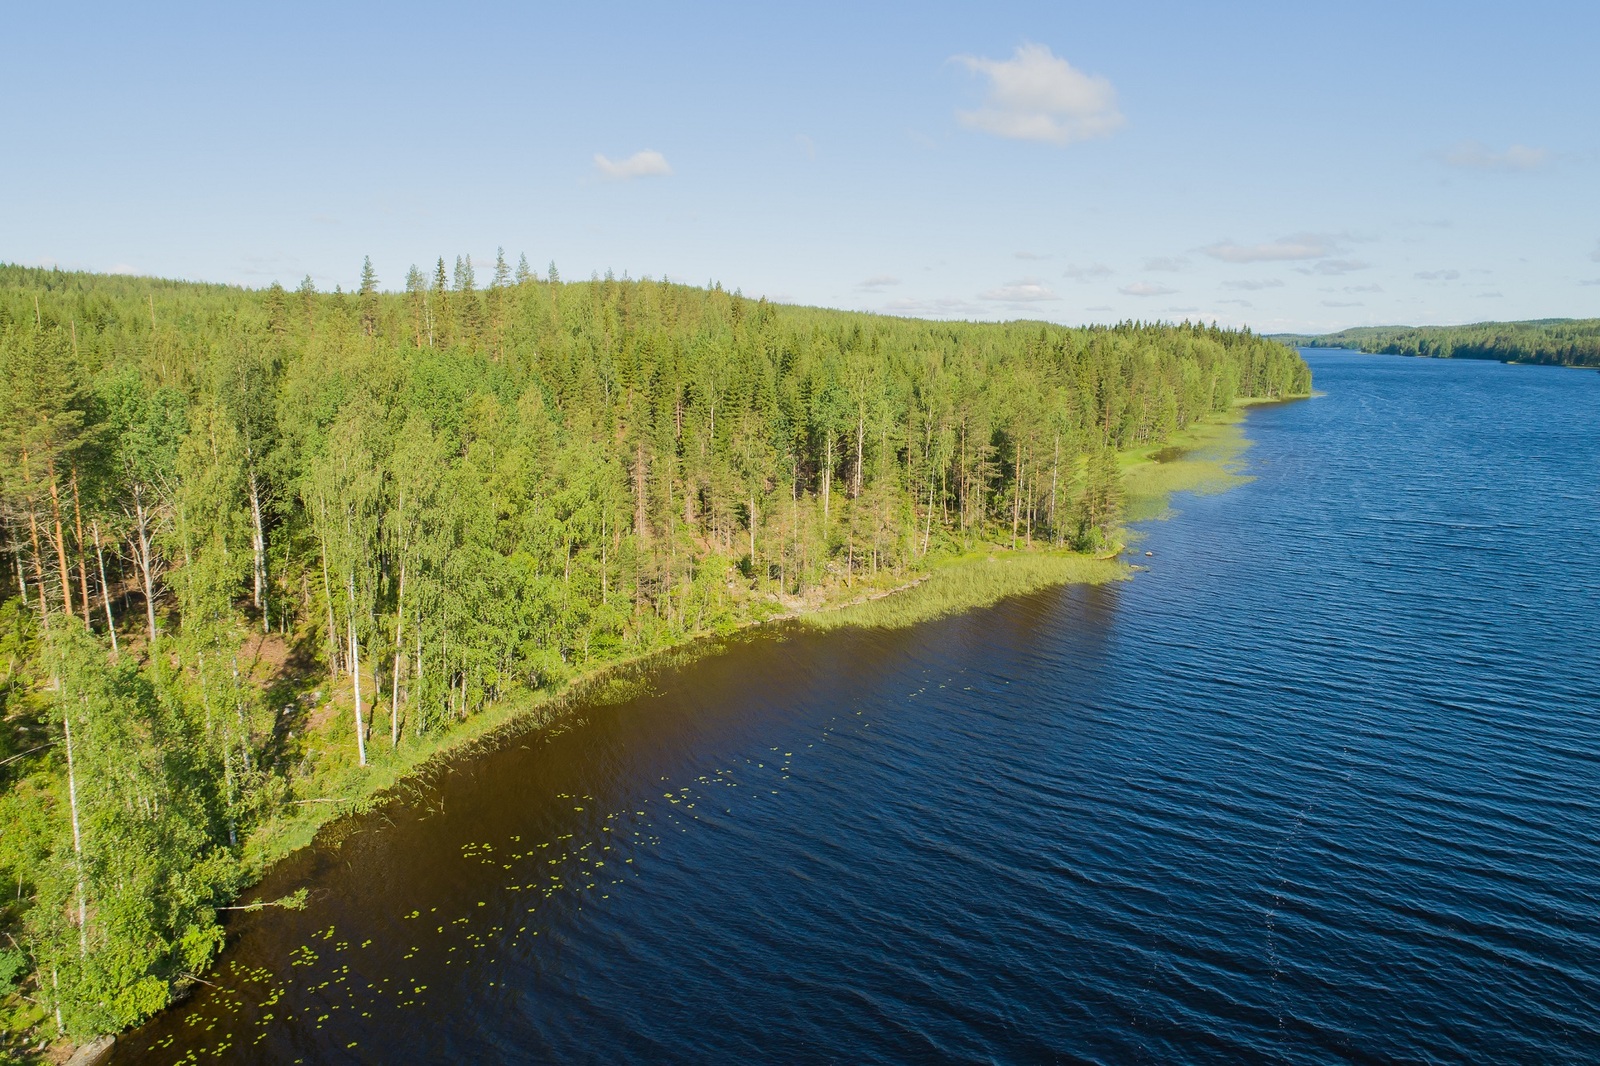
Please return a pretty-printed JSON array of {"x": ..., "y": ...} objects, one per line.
[
  {"x": 970, "y": 581},
  {"x": 1206, "y": 458}
]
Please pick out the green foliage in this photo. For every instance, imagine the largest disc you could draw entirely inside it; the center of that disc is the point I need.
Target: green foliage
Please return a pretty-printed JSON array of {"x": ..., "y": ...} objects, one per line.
[
  {"x": 450, "y": 500},
  {"x": 1553, "y": 341}
]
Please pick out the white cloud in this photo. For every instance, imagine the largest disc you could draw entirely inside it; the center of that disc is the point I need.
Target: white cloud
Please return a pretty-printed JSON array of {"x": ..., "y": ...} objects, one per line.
[
  {"x": 1363, "y": 288},
  {"x": 1038, "y": 96},
  {"x": 1092, "y": 272},
  {"x": 1437, "y": 275},
  {"x": 1166, "y": 263},
  {"x": 1337, "y": 303},
  {"x": 1253, "y": 285},
  {"x": 646, "y": 164},
  {"x": 1299, "y": 246},
  {"x": 1031, "y": 256},
  {"x": 878, "y": 283},
  {"x": 1029, "y": 290},
  {"x": 1474, "y": 155},
  {"x": 1595, "y": 255},
  {"x": 121, "y": 268},
  {"x": 1488, "y": 295},
  {"x": 1334, "y": 266},
  {"x": 1145, "y": 288},
  {"x": 1241, "y": 303}
]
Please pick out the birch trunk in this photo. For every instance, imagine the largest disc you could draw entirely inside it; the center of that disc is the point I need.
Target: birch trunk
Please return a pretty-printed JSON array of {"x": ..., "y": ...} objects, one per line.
[
  {"x": 394, "y": 682},
  {"x": 60, "y": 542},
  {"x": 105, "y": 589},
  {"x": 83, "y": 570},
  {"x": 259, "y": 543},
  {"x": 355, "y": 673},
  {"x": 77, "y": 831},
  {"x": 145, "y": 562}
]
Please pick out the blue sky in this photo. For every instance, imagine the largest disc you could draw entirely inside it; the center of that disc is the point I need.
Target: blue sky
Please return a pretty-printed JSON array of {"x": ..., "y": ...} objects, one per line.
[{"x": 1285, "y": 165}]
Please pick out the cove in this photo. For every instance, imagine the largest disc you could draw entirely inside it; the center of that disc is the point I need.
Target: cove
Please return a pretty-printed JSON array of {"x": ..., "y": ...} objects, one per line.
[{"x": 1320, "y": 785}]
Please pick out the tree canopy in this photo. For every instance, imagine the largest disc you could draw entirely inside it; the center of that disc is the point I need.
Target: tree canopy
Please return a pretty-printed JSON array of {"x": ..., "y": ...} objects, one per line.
[{"x": 435, "y": 498}]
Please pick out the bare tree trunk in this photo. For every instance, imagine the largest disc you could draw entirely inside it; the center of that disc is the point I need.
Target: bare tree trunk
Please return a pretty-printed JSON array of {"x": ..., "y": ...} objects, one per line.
[
  {"x": 77, "y": 831},
  {"x": 105, "y": 589},
  {"x": 60, "y": 542},
  {"x": 355, "y": 675},
  {"x": 145, "y": 562},
  {"x": 327, "y": 589},
  {"x": 861, "y": 430},
  {"x": 827, "y": 482},
  {"x": 259, "y": 543},
  {"x": 394, "y": 682},
  {"x": 1055, "y": 468},
  {"x": 77, "y": 525},
  {"x": 22, "y": 580},
  {"x": 1016, "y": 490}
]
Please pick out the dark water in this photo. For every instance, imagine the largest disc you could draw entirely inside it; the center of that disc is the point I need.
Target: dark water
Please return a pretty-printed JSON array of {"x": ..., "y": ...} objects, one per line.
[{"x": 1321, "y": 786}]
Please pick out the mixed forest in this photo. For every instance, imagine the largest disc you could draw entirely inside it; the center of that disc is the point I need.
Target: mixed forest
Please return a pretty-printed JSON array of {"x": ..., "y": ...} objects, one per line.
[
  {"x": 413, "y": 504},
  {"x": 1552, "y": 341}
]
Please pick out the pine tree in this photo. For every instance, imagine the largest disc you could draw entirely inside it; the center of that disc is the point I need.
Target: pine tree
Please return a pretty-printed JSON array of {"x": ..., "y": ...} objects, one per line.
[{"x": 369, "y": 297}]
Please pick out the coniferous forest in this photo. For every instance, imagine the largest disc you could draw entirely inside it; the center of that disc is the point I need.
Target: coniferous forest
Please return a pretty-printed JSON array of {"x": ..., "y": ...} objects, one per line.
[
  {"x": 1550, "y": 341},
  {"x": 250, "y": 536}
]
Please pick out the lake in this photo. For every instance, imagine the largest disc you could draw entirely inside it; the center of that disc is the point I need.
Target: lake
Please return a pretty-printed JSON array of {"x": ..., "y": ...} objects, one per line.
[{"x": 1322, "y": 784}]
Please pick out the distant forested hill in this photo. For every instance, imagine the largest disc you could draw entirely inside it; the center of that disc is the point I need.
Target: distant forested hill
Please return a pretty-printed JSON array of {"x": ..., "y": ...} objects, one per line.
[{"x": 1554, "y": 341}]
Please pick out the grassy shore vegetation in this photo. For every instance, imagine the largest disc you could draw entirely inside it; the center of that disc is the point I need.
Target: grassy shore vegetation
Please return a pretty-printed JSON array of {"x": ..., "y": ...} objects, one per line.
[{"x": 268, "y": 552}]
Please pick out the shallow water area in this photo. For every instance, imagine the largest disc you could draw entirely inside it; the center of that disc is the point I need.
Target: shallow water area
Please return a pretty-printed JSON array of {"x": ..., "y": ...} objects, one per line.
[{"x": 1320, "y": 785}]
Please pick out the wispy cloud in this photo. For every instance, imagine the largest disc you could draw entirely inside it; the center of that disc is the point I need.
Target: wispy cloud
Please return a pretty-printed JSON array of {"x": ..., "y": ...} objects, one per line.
[
  {"x": 1253, "y": 284},
  {"x": 1299, "y": 246},
  {"x": 1241, "y": 303},
  {"x": 645, "y": 164},
  {"x": 944, "y": 307},
  {"x": 1595, "y": 255},
  {"x": 807, "y": 145},
  {"x": 1338, "y": 303},
  {"x": 1092, "y": 272},
  {"x": 1038, "y": 96},
  {"x": 1437, "y": 275},
  {"x": 1487, "y": 295},
  {"x": 1145, "y": 288},
  {"x": 1334, "y": 266},
  {"x": 1170, "y": 264},
  {"x": 1029, "y": 290},
  {"x": 878, "y": 283},
  {"x": 1475, "y": 155},
  {"x": 1363, "y": 288}
]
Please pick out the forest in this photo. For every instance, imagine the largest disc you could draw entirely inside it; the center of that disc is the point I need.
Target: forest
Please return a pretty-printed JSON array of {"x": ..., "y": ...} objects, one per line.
[
  {"x": 1552, "y": 341},
  {"x": 252, "y": 538}
]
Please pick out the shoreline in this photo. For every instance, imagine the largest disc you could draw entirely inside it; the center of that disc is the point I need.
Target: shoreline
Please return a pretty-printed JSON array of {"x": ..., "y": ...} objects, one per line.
[
  {"x": 1209, "y": 463},
  {"x": 1204, "y": 458}
]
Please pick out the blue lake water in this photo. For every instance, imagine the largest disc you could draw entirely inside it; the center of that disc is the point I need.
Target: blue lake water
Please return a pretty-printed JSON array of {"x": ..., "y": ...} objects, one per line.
[{"x": 1321, "y": 785}]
